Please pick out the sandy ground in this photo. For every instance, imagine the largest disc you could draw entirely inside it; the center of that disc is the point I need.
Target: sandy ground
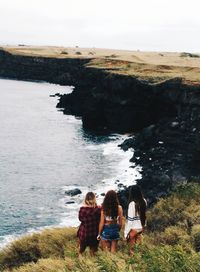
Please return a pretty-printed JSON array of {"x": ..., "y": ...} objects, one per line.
[{"x": 153, "y": 66}]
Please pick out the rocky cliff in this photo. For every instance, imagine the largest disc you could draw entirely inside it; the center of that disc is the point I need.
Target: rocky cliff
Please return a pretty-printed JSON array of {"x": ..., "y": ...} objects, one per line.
[{"x": 164, "y": 118}]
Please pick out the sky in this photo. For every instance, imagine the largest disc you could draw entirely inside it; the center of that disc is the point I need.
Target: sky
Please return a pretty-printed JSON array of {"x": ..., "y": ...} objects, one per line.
[{"x": 146, "y": 25}]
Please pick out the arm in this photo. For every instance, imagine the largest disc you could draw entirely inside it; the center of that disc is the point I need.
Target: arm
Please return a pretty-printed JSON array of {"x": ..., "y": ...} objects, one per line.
[
  {"x": 120, "y": 216},
  {"x": 101, "y": 224},
  {"x": 81, "y": 215}
]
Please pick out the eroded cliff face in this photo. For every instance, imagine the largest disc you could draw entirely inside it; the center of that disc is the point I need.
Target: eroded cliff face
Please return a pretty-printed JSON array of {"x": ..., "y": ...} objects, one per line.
[
  {"x": 164, "y": 118},
  {"x": 58, "y": 71},
  {"x": 117, "y": 103},
  {"x": 169, "y": 150}
]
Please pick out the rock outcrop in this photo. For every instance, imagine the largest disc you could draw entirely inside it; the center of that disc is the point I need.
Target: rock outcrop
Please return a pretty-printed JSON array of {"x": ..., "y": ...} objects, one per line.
[{"x": 164, "y": 118}]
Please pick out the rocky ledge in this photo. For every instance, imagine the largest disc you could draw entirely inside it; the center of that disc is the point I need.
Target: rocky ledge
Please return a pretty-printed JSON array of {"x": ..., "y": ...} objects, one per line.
[{"x": 164, "y": 118}]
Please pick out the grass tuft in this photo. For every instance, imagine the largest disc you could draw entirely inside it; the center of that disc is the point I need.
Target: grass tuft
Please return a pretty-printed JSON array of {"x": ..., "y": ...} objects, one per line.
[{"x": 170, "y": 243}]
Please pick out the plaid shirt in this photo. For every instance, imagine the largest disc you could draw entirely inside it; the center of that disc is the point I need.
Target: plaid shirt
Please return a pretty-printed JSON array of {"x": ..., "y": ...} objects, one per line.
[{"x": 89, "y": 226}]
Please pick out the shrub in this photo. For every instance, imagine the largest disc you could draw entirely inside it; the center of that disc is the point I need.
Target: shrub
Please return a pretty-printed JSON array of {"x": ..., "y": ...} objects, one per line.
[
  {"x": 192, "y": 214},
  {"x": 78, "y": 53},
  {"x": 168, "y": 245},
  {"x": 64, "y": 53},
  {"x": 21, "y": 251},
  {"x": 50, "y": 265},
  {"x": 174, "y": 235},
  {"x": 147, "y": 257},
  {"x": 113, "y": 56},
  {"x": 49, "y": 243},
  {"x": 185, "y": 55},
  {"x": 165, "y": 213},
  {"x": 164, "y": 259},
  {"x": 188, "y": 192},
  {"x": 181, "y": 208},
  {"x": 196, "y": 236}
]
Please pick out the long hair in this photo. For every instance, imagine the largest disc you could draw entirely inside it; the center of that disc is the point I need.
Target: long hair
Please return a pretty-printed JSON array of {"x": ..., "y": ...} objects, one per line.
[
  {"x": 90, "y": 199},
  {"x": 110, "y": 204},
  {"x": 135, "y": 194}
]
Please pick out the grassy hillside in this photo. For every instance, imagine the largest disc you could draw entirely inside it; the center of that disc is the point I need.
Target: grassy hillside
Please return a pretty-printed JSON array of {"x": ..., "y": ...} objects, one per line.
[
  {"x": 152, "y": 66},
  {"x": 171, "y": 243}
]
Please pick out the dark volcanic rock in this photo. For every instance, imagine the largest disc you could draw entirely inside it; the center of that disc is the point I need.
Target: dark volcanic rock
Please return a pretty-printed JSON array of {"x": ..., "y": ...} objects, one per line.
[
  {"x": 70, "y": 202},
  {"x": 73, "y": 192},
  {"x": 117, "y": 103},
  {"x": 165, "y": 117},
  {"x": 59, "y": 71}
]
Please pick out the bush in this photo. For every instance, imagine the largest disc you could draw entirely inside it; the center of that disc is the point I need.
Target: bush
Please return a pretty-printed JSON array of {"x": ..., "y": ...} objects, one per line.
[
  {"x": 78, "y": 53},
  {"x": 168, "y": 245},
  {"x": 174, "y": 235},
  {"x": 147, "y": 257},
  {"x": 196, "y": 236},
  {"x": 190, "y": 55},
  {"x": 167, "y": 212},
  {"x": 64, "y": 53},
  {"x": 164, "y": 259},
  {"x": 181, "y": 208},
  {"x": 50, "y": 265},
  {"x": 21, "y": 251},
  {"x": 49, "y": 243}
]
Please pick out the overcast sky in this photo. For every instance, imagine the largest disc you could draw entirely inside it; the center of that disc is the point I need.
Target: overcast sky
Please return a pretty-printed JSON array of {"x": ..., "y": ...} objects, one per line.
[{"x": 154, "y": 25}]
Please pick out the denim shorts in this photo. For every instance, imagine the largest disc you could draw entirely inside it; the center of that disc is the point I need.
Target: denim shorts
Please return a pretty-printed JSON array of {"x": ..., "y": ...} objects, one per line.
[{"x": 110, "y": 232}]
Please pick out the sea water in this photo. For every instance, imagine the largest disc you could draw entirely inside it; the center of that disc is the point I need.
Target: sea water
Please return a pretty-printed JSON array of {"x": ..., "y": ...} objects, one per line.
[{"x": 44, "y": 153}]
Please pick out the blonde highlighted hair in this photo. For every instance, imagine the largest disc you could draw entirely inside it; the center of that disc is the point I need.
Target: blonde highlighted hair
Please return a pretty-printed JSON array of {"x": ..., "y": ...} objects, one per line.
[{"x": 90, "y": 199}]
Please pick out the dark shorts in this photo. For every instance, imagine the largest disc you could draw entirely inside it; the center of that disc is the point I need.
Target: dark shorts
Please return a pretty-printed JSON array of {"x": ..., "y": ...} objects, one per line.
[
  {"x": 91, "y": 243},
  {"x": 110, "y": 232}
]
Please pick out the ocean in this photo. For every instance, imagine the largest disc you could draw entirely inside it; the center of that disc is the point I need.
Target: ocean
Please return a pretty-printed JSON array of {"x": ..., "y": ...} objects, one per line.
[{"x": 44, "y": 153}]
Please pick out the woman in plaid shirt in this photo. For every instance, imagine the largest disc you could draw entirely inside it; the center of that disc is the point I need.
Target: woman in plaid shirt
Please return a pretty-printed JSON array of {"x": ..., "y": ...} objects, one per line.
[{"x": 89, "y": 215}]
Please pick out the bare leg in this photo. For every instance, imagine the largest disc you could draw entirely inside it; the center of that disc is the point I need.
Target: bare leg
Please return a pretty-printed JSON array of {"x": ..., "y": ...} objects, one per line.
[
  {"x": 114, "y": 246},
  {"x": 105, "y": 245},
  {"x": 132, "y": 240},
  {"x": 138, "y": 238}
]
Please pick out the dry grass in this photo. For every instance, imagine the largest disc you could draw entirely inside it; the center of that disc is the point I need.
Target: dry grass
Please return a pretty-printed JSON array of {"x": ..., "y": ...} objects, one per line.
[
  {"x": 153, "y": 66},
  {"x": 171, "y": 243}
]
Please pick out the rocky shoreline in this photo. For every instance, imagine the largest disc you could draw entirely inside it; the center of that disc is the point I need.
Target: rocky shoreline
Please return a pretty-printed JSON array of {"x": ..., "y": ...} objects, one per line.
[{"x": 164, "y": 117}]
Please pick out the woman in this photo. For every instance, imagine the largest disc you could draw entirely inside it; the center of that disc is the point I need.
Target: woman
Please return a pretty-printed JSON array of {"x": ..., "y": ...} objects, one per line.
[
  {"x": 136, "y": 216},
  {"x": 110, "y": 222},
  {"x": 89, "y": 215}
]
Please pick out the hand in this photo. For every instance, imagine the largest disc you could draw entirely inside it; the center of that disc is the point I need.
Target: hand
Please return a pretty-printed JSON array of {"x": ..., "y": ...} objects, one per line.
[{"x": 98, "y": 237}]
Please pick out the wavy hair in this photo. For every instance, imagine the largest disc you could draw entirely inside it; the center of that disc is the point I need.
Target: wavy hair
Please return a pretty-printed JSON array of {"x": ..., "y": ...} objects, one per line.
[
  {"x": 135, "y": 194},
  {"x": 90, "y": 199},
  {"x": 110, "y": 204}
]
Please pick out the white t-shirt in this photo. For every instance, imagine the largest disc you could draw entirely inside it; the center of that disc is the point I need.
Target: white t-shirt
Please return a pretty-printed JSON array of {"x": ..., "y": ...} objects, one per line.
[{"x": 133, "y": 220}]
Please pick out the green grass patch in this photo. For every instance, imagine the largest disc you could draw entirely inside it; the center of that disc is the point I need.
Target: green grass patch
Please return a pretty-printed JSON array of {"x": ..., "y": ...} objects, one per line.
[{"x": 170, "y": 243}]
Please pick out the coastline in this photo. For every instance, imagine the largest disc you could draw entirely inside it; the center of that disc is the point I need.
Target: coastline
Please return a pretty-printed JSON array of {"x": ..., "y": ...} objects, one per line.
[
  {"x": 110, "y": 101},
  {"x": 118, "y": 174},
  {"x": 122, "y": 179}
]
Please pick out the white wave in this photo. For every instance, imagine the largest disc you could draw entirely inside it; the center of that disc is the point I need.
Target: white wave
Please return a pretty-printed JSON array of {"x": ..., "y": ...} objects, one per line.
[
  {"x": 126, "y": 175},
  {"x": 7, "y": 239},
  {"x": 72, "y": 119}
]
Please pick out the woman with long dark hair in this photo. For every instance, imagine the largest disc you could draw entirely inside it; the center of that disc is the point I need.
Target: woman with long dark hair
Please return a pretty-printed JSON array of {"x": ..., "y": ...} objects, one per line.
[
  {"x": 110, "y": 222},
  {"x": 135, "y": 217}
]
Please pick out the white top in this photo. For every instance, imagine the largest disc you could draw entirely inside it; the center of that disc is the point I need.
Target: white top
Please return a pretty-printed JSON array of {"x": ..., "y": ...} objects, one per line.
[{"x": 133, "y": 220}]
